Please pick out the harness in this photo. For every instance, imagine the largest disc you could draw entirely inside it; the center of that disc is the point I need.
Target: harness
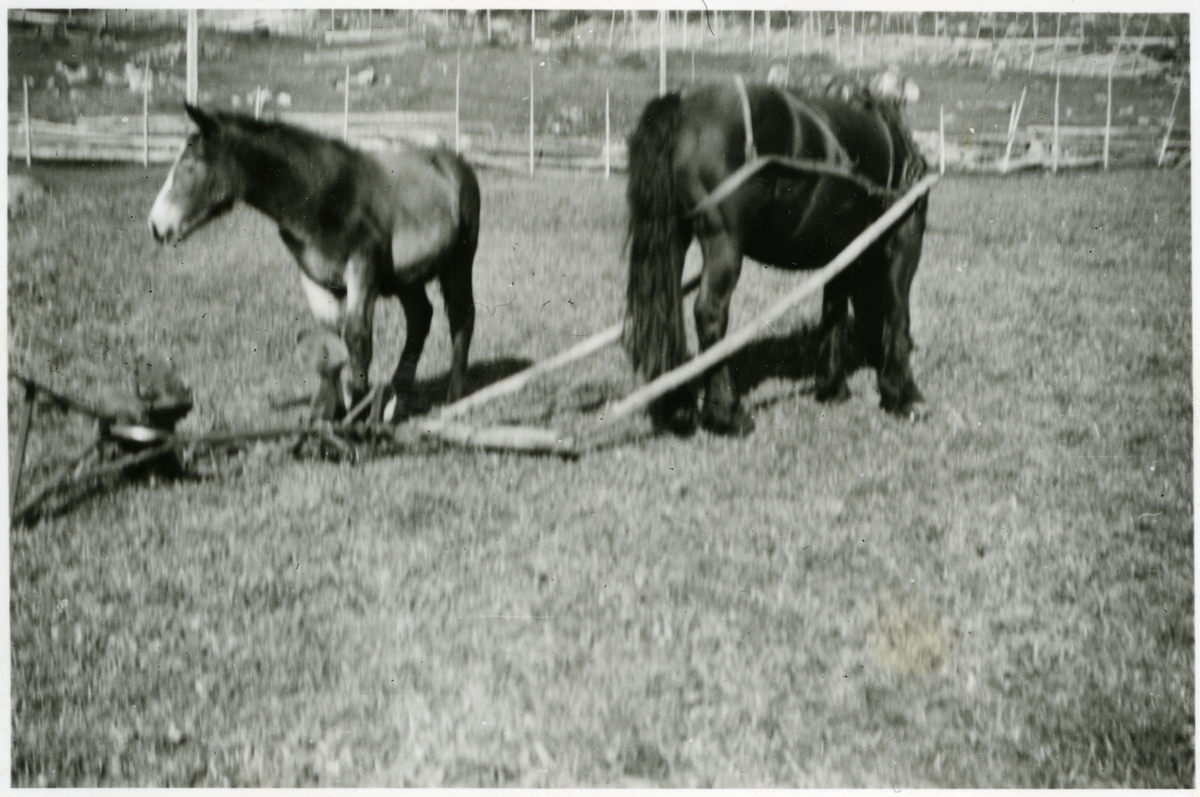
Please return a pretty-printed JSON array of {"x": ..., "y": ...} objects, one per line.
[{"x": 837, "y": 162}]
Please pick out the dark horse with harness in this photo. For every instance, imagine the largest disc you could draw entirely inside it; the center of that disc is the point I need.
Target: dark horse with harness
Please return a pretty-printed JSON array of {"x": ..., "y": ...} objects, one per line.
[
  {"x": 359, "y": 227},
  {"x": 788, "y": 180}
]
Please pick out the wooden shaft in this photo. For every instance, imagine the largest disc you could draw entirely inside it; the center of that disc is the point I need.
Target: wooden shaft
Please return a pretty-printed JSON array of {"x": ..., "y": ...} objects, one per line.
[
  {"x": 738, "y": 340},
  {"x": 519, "y": 439},
  {"x": 360, "y": 407},
  {"x": 105, "y": 410},
  {"x": 115, "y": 467},
  {"x": 519, "y": 380},
  {"x": 63, "y": 477},
  {"x": 22, "y": 438},
  {"x": 346, "y": 112}
]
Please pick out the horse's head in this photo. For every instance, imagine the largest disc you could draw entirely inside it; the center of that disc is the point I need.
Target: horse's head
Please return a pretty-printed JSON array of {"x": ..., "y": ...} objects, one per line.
[{"x": 200, "y": 185}]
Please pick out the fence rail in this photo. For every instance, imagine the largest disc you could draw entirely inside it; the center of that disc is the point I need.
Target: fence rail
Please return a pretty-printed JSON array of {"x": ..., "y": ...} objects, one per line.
[{"x": 121, "y": 138}]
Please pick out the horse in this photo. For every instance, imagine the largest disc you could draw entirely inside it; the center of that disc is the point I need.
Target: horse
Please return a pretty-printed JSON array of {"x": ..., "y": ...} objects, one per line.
[
  {"x": 358, "y": 226},
  {"x": 857, "y": 155}
]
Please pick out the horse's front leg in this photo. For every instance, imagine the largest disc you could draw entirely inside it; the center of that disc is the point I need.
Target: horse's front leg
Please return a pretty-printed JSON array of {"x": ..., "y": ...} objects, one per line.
[
  {"x": 418, "y": 315},
  {"x": 721, "y": 411},
  {"x": 321, "y": 351},
  {"x": 358, "y": 326}
]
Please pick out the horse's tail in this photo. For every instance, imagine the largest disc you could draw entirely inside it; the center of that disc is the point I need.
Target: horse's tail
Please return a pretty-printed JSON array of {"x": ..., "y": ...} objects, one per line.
[{"x": 654, "y": 335}]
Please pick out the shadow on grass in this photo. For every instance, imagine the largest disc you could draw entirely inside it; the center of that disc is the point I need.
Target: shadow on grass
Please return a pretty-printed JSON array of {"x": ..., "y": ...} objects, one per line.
[
  {"x": 70, "y": 494},
  {"x": 791, "y": 358},
  {"x": 428, "y": 393}
]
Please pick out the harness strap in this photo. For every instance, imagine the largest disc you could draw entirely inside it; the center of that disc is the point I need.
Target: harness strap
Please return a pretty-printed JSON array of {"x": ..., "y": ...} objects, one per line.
[
  {"x": 747, "y": 170},
  {"x": 834, "y": 151},
  {"x": 837, "y": 162},
  {"x": 751, "y": 151},
  {"x": 887, "y": 134}
]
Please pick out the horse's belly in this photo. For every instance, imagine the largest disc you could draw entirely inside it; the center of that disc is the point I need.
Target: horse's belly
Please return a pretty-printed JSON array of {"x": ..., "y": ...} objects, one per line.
[{"x": 805, "y": 230}]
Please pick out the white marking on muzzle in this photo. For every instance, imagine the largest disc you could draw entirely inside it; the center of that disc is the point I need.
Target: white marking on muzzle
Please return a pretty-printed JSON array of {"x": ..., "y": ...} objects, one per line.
[{"x": 166, "y": 217}]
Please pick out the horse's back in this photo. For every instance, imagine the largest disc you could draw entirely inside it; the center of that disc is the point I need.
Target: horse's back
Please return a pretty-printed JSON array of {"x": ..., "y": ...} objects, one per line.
[
  {"x": 781, "y": 211},
  {"x": 431, "y": 198}
]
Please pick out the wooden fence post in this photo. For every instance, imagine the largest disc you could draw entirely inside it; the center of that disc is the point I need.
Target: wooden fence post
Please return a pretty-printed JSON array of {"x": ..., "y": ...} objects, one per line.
[
  {"x": 531, "y": 117},
  {"x": 193, "y": 58},
  {"x": 662, "y": 52},
  {"x": 29, "y": 136},
  {"x": 457, "y": 104},
  {"x": 1054, "y": 145},
  {"x": 837, "y": 39},
  {"x": 1162, "y": 153},
  {"x": 607, "y": 137},
  {"x": 146, "y": 117},
  {"x": 1033, "y": 49},
  {"x": 1013, "y": 124},
  {"x": 787, "y": 41},
  {"x": 1108, "y": 111},
  {"x": 942, "y": 139}
]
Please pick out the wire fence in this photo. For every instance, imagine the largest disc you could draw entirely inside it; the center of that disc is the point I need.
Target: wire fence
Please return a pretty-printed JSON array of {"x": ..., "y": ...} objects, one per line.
[{"x": 1071, "y": 44}]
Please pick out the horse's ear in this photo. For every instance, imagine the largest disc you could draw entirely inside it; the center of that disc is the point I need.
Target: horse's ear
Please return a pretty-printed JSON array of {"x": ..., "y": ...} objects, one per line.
[{"x": 206, "y": 123}]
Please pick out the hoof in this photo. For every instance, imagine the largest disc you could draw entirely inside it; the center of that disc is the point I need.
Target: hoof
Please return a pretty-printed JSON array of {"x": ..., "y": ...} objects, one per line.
[
  {"x": 910, "y": 406},
  {"x": 736, "y": 424},
  {"x": 914, "y": 412},
  {"x": 395, "y": 406},
  {"x": 833, "y": 394},
  {"x": 676, "y": 416}
]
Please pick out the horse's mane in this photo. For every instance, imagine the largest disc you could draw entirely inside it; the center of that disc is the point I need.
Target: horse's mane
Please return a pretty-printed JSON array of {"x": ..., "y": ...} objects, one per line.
[{"x": 248, "y": 124}]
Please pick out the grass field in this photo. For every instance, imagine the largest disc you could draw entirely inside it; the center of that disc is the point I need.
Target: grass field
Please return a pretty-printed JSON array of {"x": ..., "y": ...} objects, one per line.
[{"x": 999, "y": 596}]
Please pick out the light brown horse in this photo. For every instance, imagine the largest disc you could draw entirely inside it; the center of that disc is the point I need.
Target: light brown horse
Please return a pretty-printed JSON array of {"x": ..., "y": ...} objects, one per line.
[{"x": 359, "y": 227}]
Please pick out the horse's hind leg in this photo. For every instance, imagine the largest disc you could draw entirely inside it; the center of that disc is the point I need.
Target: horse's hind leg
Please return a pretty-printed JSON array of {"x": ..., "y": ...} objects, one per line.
[
  {"x": 833, "y": 355},
  {"x": 418, "y": 315},
  {"x": 882, "y": 316},
  {"x": 722, "y": 409},
  {"x": 460, "y": 307}
]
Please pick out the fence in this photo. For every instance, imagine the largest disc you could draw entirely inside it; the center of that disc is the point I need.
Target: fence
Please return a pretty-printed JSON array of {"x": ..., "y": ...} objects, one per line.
[
  {"x": 123, "y": 138},
  {"x": 851, "y": 39}
]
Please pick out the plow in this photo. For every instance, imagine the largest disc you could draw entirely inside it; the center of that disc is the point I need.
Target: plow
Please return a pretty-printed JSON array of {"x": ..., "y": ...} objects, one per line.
[{"x": 136, "y": 429}]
